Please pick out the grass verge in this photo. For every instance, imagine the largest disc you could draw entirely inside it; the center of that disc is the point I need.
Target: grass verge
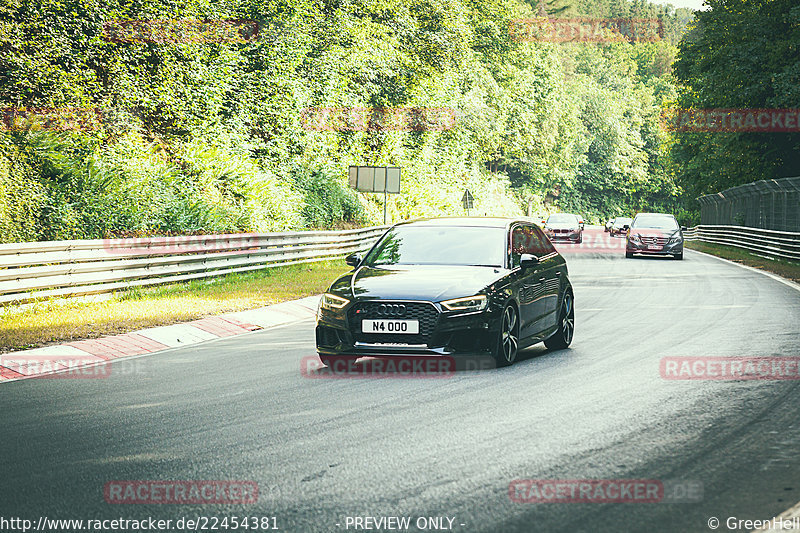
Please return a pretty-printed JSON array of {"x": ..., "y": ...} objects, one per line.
[
  {"x": 787, "y": 269},
  {"x": 63, "y": 320}
]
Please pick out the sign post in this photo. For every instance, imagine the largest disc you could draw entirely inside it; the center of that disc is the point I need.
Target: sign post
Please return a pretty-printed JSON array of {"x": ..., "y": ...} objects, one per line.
[
  {"x": 467, "y": 200},
  {"x": 375, "y": 179}
]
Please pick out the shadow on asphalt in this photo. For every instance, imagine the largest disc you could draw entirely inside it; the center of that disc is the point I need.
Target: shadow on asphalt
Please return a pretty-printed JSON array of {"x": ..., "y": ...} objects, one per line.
[{"x": 417, "y": 366}]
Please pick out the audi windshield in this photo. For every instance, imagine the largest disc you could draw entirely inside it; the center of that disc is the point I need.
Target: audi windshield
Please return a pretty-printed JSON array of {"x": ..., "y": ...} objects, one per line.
[{"x": 440, "y": 245}]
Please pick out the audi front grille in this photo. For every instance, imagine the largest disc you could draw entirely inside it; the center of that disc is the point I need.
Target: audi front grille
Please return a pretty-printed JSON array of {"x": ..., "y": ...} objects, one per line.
[{"x": 424, "y": 312}]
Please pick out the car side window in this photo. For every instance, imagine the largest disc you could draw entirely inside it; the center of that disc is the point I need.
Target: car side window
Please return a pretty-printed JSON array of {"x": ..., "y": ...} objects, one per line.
[
  {"x": 546, "y": 247},
  {"x": 528, "y": 239}
]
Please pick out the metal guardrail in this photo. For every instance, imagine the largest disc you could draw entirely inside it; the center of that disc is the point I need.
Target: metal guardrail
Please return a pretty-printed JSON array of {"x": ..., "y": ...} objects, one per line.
[
  {"x": 763, "y": 242},
  {"x": 39, "y": 270}
]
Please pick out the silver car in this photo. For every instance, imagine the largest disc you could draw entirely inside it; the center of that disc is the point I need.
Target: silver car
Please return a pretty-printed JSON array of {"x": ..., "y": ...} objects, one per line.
[
  {"x": 620, "y": 225},
  {"x": 655, "y": 234},
  {"x": 564, "y": 227}
]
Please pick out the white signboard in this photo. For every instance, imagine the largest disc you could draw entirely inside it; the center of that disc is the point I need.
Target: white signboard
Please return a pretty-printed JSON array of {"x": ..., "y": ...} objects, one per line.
[{"x": 375, "y": 179}]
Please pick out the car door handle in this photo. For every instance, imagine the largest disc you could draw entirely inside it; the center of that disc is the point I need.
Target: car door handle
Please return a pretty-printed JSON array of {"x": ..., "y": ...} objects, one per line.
[
  {"x": 558, "y": 272},
  {"x": 542, "y": 280}
]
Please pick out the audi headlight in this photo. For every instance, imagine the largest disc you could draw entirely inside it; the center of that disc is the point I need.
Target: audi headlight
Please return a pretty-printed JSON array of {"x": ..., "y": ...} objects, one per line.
[
  {"x": 331, "y": 301},
  {"x": 479, "y": 302}
]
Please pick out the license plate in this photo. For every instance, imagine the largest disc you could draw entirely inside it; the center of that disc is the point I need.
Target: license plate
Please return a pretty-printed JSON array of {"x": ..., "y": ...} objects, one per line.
[
  {"x": 653, "y": 247},
  {"x": 390, "y": 326}
]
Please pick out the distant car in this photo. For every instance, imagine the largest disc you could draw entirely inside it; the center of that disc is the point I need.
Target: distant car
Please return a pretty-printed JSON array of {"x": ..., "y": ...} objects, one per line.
[
  {"x": 564, "y": 227},
  {"x": 449, "y": 287},
  {"x": 655, "y": 234},
  {"x": 609, "y": 224},
  {"x": 620, "y": 225},
  {"x": 580, "y": 221}
]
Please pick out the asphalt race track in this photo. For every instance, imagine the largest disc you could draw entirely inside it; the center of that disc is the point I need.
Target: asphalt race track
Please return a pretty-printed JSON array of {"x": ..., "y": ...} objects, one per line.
[{"x": 322, "y": 450}]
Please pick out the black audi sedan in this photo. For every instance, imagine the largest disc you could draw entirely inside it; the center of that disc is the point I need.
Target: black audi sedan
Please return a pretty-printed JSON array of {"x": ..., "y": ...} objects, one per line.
[{"x": 449, "y": 287}]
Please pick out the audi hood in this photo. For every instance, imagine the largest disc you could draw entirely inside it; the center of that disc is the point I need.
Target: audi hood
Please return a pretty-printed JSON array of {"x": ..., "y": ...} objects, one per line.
[{"x": 415, "y": 282}]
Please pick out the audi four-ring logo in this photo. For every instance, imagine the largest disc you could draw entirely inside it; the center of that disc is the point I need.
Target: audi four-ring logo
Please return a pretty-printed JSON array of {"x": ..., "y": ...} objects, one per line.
[{"x": 392, "y": 309}]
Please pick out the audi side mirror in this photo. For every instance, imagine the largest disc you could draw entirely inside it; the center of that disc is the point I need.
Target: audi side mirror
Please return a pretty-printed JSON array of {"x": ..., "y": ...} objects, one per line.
[
  {"x": 353, "y": 260},
  {"x": 528, "y": 261},
  {"x": 626, "y": 226}
]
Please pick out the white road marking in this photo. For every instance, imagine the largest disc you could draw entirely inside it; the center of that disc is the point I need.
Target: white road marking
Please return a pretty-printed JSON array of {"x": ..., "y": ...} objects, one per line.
[
  {"x": 785, "y": 281},
  {"x": 789, "y": 518}
]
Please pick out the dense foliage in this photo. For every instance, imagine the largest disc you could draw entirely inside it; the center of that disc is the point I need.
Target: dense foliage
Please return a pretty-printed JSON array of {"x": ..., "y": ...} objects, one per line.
[
  {"x": 740, "y": 54},
  {"x": 209, "y": 136}
]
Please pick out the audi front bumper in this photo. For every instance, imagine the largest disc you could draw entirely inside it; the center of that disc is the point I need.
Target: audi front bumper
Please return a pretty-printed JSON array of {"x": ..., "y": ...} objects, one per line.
[{"x": 442, "y": 333}]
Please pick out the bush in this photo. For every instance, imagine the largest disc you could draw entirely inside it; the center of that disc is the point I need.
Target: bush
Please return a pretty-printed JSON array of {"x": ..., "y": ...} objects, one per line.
[
  {"x": 21, "y": 197},
  {"x": 327, "y": 201}
]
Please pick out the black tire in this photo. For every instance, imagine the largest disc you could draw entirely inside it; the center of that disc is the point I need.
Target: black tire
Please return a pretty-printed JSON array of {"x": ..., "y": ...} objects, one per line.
[
  {"x": 337, "y": 363},
  {"x": 507, "y": 345},
  {"x": 562, "y": 338},
  {"x": 629, "y": 255}
]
